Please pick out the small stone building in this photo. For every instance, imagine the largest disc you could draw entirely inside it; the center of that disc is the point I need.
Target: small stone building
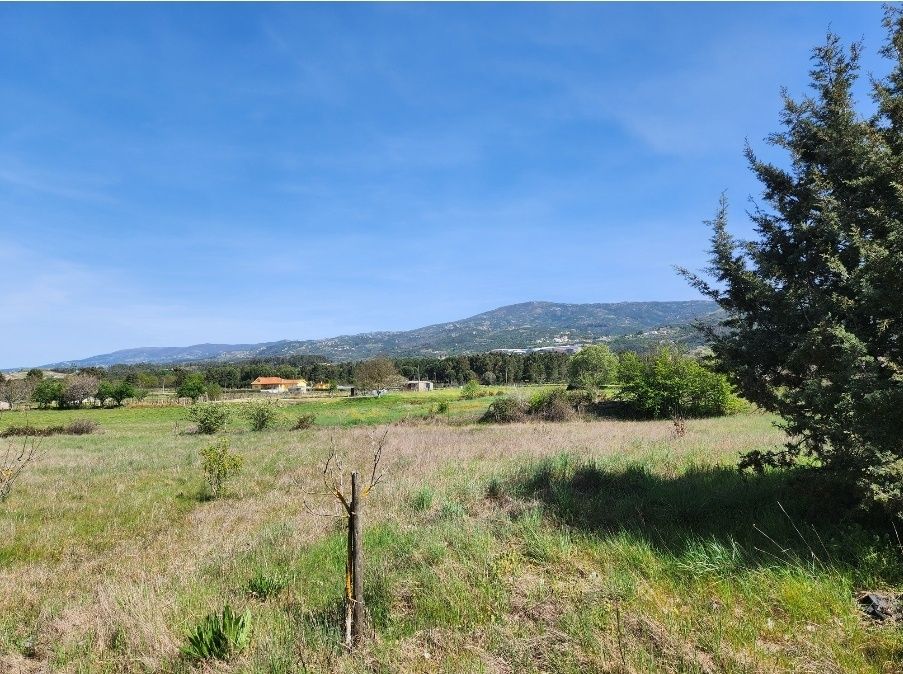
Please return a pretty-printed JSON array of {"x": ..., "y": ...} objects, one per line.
[{"x": 418, "y": 385}]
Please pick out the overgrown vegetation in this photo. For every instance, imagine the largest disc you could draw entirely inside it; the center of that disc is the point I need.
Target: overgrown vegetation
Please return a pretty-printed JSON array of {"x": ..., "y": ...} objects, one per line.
[{"x": 637, "y": 536}]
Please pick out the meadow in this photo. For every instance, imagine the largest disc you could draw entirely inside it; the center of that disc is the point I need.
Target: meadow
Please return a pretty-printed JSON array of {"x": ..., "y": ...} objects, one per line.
[{"x": 584, "y": 546}]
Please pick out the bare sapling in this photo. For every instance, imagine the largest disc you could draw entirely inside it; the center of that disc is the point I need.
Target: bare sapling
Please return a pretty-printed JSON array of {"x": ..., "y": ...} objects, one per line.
[
  {"x": 16, "y": 457},
  {"x": 351, "y": 508}
]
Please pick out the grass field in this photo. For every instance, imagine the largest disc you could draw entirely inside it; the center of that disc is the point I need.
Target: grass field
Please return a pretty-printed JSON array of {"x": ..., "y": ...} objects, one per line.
[{"x": 588, "y": 546}]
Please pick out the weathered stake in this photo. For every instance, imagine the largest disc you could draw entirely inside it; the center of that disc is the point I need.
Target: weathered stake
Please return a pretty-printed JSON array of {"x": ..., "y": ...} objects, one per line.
[
  {"x": 349, "y": 565},
  {"x": 354, "y": 560},
  {"x": 357, "y": 563}
]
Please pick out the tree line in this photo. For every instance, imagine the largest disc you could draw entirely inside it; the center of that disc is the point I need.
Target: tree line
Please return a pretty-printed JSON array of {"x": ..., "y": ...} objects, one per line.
[{"x": 488, "y": 368}]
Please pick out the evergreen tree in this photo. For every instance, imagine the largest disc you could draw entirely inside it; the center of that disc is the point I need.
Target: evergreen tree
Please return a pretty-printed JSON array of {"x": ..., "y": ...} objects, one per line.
[{"x": 815, "y": 303}]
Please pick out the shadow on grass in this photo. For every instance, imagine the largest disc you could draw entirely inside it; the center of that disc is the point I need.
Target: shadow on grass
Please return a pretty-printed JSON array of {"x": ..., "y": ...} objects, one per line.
[{"x": 791, "y": 517}]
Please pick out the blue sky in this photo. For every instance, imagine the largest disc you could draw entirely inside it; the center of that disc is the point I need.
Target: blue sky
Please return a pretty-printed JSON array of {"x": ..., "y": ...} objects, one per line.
[{"x": 174, "y": 174}]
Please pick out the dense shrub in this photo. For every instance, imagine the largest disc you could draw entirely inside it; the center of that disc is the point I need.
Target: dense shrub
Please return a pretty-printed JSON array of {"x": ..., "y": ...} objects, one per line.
[
  {"x": 81, "y": 427},
  {"x": 303, "y": 422},
  {"x": 505, "y": 410},
  {"x": 219, "y": 636},
  {"x": 260, "y": 414},
  {"x": 668, "y": 385},
  {"x": 77, "y": 427},
  {"x": 209, "y": 417},
  {"x": 219, "y": 464},
  {"x": 552, "y": 405},
  {"x": 472, "y": 390}
]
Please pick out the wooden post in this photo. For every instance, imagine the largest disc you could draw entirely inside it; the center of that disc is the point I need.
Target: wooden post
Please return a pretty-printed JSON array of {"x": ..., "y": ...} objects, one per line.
[
  {"x": 349, "y": 602},
  {"x": 357, "y": 563}
]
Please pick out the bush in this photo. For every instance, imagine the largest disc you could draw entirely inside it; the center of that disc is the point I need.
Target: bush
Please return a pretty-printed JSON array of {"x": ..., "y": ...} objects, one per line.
[
  {"x": 472, "y": 390},
  {"x": 552, "y": 405},
  {"x": 209, "y": 417},
  {"x": 667, "y": 385},
  {"x": 214, "y": 391},
  {"x": 219, "y": 636},
  {"x": 219, "y": 464},
  {"x": 505, "y": 411},
  {"x": 303, "y": 422},
  {"x": 442, "y": 407},
  {"x": 77, "y": 427},
  {"x": 260, "y": 414},
  {"x": 81, "y": 427}
]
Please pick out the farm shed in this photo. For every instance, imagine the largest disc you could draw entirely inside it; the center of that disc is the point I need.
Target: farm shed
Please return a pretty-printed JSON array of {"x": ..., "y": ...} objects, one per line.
[{"x": 418, "y": 385}]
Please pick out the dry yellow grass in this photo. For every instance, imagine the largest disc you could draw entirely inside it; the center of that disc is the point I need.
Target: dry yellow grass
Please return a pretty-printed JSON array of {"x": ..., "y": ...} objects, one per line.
[{"x": 109, "y": 557}]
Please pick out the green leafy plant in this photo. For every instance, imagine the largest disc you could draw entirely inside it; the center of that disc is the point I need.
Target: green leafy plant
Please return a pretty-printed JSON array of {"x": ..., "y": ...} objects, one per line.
[
  {"x": 209, "y": 417},
  {"x": 219, "y": 636},
  {"x": 667, "y": 385},
  {"x": 472, "y": 390},
  {"x": 442, "y": 407},
  {"x": 260, "y": 414},
  {"x": 265, "y": 583},
  {"x": 219, "y": 464},
  {"x": 303, "y": 422}
]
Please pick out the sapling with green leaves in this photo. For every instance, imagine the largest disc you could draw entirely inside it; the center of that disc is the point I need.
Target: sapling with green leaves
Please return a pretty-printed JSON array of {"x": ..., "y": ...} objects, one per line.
[{"x": 219, "y": 464}]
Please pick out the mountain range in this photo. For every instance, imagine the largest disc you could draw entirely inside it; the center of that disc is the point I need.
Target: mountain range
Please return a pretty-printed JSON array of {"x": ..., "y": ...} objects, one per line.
[{"x": 636, "y": 325}]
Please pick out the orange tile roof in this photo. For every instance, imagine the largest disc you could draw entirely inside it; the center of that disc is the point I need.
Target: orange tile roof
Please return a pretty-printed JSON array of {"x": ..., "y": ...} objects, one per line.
[{"x": 275, "y": 380}]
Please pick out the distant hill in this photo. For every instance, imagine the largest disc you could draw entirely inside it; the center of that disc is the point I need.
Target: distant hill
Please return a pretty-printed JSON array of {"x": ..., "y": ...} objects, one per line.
[{"x": 530, "y": 324}]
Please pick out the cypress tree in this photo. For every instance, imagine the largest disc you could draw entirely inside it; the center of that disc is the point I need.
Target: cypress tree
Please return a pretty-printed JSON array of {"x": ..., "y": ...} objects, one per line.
[{"x": 814, "y": 304}]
